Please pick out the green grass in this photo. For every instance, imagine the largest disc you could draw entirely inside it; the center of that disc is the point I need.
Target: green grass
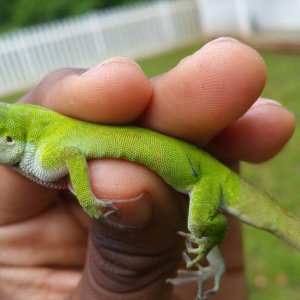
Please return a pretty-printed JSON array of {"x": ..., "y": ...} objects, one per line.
[
  {"x": 164, "y": 62},
  {"x": 13, "y": 97},
  {"x": 273, "y": 268}
]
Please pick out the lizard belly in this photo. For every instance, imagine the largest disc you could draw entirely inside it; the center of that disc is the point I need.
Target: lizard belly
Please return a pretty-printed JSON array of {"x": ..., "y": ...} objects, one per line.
[
  {"x": 30, "y": 168},
  {"x": 59, "y": 184}
]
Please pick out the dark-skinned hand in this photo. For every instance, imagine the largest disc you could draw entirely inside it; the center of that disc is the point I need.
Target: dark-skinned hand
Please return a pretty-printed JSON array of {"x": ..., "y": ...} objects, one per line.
[{"x": 50, "y": 249}]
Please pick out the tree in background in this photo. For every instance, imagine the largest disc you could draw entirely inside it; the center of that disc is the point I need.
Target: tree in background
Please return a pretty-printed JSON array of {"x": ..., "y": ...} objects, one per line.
[{"x": 20, "y": 13}]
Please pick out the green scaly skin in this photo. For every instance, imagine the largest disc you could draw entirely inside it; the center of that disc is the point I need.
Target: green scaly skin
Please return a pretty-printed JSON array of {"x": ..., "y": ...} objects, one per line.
[{"x": 46, "y": 146}]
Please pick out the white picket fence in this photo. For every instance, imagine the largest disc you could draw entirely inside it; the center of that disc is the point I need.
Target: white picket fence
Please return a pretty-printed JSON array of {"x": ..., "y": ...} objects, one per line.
[
  {"x": 134, "y": 31},
  {"x": 250, "y": 17}
]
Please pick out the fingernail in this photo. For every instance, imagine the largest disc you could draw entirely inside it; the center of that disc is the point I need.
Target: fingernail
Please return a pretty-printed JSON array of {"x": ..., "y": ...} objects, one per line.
[
  {"x": 262, "y": 101},
  {"x": 132, "y": 214},
  {"x": 112, "y": 60}
]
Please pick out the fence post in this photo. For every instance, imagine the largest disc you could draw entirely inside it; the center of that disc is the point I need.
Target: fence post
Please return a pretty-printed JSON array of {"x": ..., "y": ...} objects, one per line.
[
  {"x": 298, "y": 4},
  {"x": 205, "y": 24},
  {"x": 27, "y": 65},
  {"x": 165, "y": 11},
  {"x": 96, "y": 31},
  {"x": 244, "y": 17}
]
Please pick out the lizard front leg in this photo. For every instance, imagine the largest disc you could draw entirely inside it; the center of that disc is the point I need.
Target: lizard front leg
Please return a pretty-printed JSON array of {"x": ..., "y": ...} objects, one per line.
[{"x": 78, "y": 171}]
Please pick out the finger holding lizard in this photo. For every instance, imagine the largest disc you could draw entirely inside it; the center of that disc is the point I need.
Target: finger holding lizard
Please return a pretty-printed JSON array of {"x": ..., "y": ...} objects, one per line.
[
  {"x": 118, "y": 99},
  {"x": 167, "y": 99}
]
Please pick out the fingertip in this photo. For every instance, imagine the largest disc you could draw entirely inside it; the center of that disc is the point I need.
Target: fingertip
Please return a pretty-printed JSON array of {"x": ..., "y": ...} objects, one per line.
[
  {"x": 257, "y": 136},
  {"x": 211, "y": 89},
  {"x": 239, "y": 63},
  {"x": 122, "y": 91}
]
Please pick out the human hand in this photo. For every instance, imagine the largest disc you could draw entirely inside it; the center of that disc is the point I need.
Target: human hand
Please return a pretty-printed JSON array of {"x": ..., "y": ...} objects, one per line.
[{"x": 207, "y": 100}]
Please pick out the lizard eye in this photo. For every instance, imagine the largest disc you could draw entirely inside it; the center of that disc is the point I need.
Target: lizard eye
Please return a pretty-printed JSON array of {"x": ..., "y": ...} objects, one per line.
[{"x": 9, "y": 139}]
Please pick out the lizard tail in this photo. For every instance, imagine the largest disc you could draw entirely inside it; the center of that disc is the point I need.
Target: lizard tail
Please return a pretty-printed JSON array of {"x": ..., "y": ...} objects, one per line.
[{"x": 257, "y": 208}]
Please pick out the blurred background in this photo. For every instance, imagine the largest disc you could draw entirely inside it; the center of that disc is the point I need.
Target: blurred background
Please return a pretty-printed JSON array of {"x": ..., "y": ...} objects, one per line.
[{"x": 37, "y": 37}]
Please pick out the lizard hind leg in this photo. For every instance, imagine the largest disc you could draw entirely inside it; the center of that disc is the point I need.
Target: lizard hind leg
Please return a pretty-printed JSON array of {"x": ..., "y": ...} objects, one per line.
[{"x": 207, "y": 228}]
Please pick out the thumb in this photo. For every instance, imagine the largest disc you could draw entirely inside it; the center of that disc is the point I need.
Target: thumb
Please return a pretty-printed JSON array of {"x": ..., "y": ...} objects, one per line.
[{"x": 131, "y": 256}]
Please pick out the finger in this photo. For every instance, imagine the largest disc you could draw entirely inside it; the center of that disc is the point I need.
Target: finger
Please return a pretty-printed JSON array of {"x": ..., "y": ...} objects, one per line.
[
  {"x": 207, "y": 91},
  {"x": 115, "y": 91},
  {"x": 234, "y": 283},
  {"x": 40, "y": 241},
  {"x": 135, "y": 258},
  {"x": 257, "y": 136},
  {"x": 20, "y": 197},
  {"x": 40, "y": 283}
]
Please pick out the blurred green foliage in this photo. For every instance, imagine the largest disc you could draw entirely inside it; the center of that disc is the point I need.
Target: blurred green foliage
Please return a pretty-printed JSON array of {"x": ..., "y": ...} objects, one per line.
[{"x": 20, "y": 13}]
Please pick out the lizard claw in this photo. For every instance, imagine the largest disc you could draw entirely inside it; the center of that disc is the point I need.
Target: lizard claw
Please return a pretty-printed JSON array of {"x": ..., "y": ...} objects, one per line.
[
  {"x": 109, "y": 213},
  {"x": 109, "y": 204},
  {"x": 106, "y": 204},
  {"x": 108, "y": 207}
]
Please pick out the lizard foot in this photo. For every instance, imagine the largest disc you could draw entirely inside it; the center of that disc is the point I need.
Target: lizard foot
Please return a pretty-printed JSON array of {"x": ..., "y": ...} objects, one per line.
[
  {"x": 199, "y": 276},
  {"x": 94, "y": 207},
  {"x": 214, "y": 270},
  {"x": 103, "y": 208},
  {"x": 98, "y": 211},
  {"x": 199, "y": 247}
]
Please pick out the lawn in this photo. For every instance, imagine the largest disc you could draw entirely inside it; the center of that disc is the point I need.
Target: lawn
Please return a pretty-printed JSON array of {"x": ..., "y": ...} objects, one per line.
[{"x": 273, "y": 268}]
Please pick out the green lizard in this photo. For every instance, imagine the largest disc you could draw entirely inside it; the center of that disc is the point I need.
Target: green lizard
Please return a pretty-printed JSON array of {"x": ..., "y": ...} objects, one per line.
[{"x": 46, "y": 146}]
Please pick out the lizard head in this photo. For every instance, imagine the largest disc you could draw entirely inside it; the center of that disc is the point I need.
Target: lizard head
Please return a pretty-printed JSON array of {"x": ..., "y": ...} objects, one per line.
[{"x": 12, "y": 142}]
